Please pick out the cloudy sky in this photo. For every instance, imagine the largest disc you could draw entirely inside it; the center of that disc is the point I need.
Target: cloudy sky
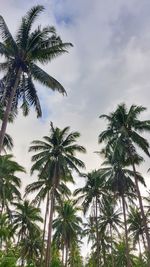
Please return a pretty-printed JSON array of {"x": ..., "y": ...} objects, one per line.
[{"x": 109, "y": 64}]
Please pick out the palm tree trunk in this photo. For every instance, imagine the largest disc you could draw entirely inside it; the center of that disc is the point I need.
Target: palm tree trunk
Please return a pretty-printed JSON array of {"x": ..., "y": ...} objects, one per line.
[
  {"x": 66, "y": 260},
  {"x": 48, "y": 250},
  {"x": 112, "y": 256},
  {"x": 63, "y": 251},
  {"x": 45, "y": 220},
  {"x": 143, "y": 238},
  {"x": 104, "y": 255},
  {"x": 142, "y": 209},
  {"x": 140, "y": 253},
  {"x": 97, "y": 232},
  {"x": 8, "y": 109},
  {"x": 126, "y": 231}
]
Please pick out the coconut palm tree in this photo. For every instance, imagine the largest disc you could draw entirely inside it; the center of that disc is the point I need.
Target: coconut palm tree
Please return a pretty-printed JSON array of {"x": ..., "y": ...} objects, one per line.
[
  {"x": 43, "y": 186},
  {"x": 123, "y": 131},
  {"x": 25, "y": 219},
  {"x": 6, "y": 230},
  {"x": 22, "y": 54},
  {"x": 136, "y": 227},
  {"x": 91, "y": 195},
  {"x": 56, "y": 155},
  {"x": 67, "y": 226},
  {"x": 121, "y": 256},
  {"x": 9, "y": 182},
  {"x": 119, "y": 182},
  {"x": 30, "y": 248},
  {"x": 110, "y": 220}
]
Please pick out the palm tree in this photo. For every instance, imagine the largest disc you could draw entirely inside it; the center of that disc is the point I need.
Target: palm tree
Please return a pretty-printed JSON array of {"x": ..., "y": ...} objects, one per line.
[
  {"x": 57, "y": 157},
  {"x": 110, "y": 220},
  {"x": 119, "y": 182},
  {"x": 67, "y": 226},
  {"x": 26, "y": 219},
  {"x": 30, "y": 248},
  {"x": 6, "y": 230},
  {"x": 91, "y": 195},
  {"x": 22, "y": 54},
  {"x": 121, "y": 256},
  {"x": 43, "y": 186},
  {"x": 123, "y": 132},
  {"x": 9, "y": 182},
  {"x": 75, "y": 258},
  {"x": 136, "y": 227}
]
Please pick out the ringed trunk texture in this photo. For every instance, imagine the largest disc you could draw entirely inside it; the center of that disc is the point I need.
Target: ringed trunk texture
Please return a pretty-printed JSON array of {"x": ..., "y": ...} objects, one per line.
[
  {"x": 126, "y": 231},
  {"x": 8, "y": 109},
  {"x": 142, "y": 209},
  {"x": 45, "y": 220},
  {"x": 48, "y": 250}
]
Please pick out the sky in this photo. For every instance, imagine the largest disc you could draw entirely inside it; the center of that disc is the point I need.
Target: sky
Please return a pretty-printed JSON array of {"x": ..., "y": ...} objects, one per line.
[{"x": 109, "y": 64}]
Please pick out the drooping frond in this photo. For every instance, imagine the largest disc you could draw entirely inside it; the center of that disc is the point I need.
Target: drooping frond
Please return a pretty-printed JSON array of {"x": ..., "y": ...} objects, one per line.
[{"x": 45, "y": 79}]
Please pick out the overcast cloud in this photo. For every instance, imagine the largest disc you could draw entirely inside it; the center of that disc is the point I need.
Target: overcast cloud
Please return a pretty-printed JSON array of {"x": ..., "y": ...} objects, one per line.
[{"x": 108, "y": 64}]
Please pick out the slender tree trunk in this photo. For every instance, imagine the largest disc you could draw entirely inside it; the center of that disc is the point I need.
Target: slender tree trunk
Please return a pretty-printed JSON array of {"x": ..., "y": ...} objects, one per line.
[
  {"x": 45, "y": 220},
  {"x": 63, "y": 251},
  {"x": 112, "y": 256},
  {"x": 140, "y": 253},
  {"x": 66, "y": 260},
  {"x": 144, "y": 241},
  {"x": 104, "y": 255},
  {"x": 97, "y": 232},
  {"x": 126, "y": 231},
  {"x": 48, "y": 250},
  {"x": 142, "y": 209},
  {"x": 8, "y": 109}
]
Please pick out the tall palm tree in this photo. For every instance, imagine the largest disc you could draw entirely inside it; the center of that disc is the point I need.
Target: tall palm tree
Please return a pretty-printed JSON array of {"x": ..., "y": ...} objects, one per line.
[
  {"x": 91, "y": 195},
  {"x": 110, "y": 220},
  {"x": 9, "y": 182},
  {"x": 124, "y": 130},
  {"x": 119, "y": 182},
  {"x": 56, "y": 155},
  {"x": 22, "y": 54},
  {"x": 67, "y": 226},
  {"x": 43, "y": 186}
]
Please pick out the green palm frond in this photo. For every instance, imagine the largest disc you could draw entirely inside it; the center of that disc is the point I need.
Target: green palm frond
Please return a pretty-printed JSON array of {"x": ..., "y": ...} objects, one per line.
[{"x": 45, "y": 79}]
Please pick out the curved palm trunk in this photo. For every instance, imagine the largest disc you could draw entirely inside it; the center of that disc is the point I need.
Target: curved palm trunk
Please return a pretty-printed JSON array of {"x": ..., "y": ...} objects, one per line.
[
  {"x": 112, "y": 256},
  {"x": 97, "y": 233},
  {"x": 45, "y": 220},
  {"x": 141, "y": 208},
  {"x": 8, "y": 109},
  {"x": 126, "y": 231},
  {"x": 48, "y": 250}
]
